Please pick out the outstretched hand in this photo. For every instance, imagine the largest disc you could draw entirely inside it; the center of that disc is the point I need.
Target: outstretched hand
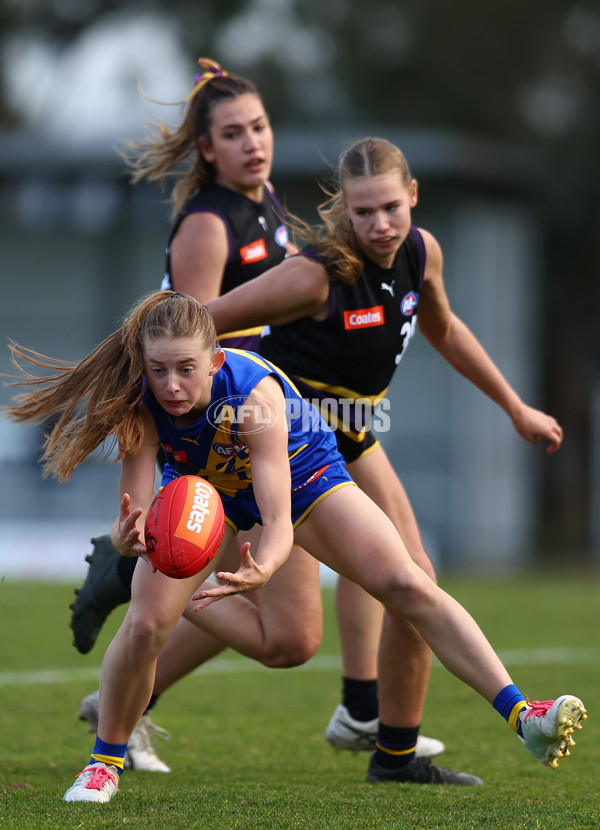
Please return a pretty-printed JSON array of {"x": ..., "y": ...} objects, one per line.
[
  {"x": 248, "y": 577},
  {"x": 125, "y": 534},
  {"x": 534, "y": 426}
]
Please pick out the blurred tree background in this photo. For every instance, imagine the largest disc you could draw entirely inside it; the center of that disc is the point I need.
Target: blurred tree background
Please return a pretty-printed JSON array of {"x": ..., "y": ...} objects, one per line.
[{"x": 520, "y": 74}]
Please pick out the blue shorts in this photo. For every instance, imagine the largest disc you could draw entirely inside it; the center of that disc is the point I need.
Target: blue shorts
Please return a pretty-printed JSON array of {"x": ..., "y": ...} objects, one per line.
[{"x": 241, "y": 510}]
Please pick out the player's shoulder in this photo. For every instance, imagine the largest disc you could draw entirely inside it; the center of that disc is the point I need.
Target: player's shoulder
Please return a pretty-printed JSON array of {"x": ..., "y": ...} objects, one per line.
[
  {"x": 433, "y": 249},
  {"x": 202, "y": 228},
  {"x": 308, "y": 272},
  {"x": 428, "y": 238},
  {"x": 149, "y": 410},
  {"x": 215, "y": 203},
  {"x": 212, "y": 195}
]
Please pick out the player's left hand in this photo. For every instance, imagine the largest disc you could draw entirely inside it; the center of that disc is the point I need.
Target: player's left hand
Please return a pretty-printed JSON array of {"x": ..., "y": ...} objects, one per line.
[
  {"x": 249, "y": 577},
  {"x": 125, "y": 534},
  {"x": 534, "y": 426}
]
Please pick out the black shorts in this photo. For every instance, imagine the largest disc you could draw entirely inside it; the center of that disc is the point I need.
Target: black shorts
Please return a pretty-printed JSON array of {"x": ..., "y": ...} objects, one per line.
[{"x": 351, "y": 450}]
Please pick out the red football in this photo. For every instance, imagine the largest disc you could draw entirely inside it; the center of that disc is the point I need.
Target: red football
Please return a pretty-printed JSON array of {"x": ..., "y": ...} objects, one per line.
[{"x": 184, "y": 526}]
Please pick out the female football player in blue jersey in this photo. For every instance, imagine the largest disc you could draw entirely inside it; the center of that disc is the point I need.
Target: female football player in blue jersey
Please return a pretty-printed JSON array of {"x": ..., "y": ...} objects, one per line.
[
  {"x": 228, "y": 228},
  {"x": 162, "y": 380}
]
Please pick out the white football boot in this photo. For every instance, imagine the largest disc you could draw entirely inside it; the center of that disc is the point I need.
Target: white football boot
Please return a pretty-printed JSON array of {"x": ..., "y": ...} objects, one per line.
[
  {"x": 140, "y": 753},
  {"x": 98, "y": 782},
  {"x": 548, "y": 726},
  {"x": 344, "y": 732}
]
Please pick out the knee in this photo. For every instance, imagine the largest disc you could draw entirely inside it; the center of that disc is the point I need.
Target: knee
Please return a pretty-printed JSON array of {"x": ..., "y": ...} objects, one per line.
[
  {"x": 146, "y": 633},
  {"x": 408, "y": 594},
  {"x": 293, "y": 650}
]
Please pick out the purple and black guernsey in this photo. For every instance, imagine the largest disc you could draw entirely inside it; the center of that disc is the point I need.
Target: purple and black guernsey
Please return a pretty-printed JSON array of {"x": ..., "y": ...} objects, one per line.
[
  {"x": 257, "y": 236},
  {"x": 351, "y": 355}
]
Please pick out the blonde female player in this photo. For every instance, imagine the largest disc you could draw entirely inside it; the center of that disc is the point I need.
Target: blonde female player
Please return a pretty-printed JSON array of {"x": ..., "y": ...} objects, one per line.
[
  {"x": 228, "y": 229},
  {"x": 153, "y": 382}
]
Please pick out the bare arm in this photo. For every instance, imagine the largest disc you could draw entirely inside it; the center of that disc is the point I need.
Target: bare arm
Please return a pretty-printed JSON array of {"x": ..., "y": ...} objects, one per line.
[
  {"x": 265, "y": 433},
  {"x": 136, "y": 487},
  {"x": 271, "y": 474},
  {"x": 459, "y": 346},
  {"x": 199, "y": 254},
  {"x": 297, "y": 287}
]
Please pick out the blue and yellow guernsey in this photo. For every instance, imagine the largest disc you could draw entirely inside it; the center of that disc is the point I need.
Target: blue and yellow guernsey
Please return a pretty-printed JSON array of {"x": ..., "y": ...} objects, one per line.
[{"x": 212, "y": 447}]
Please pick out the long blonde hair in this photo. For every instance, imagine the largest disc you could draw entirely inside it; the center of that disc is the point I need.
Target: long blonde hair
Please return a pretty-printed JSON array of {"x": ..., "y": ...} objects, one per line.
[
  {"x": 334, "y": 238},
  {"x": 160, "y": 155},
  {"x": 96, "y": 399}
]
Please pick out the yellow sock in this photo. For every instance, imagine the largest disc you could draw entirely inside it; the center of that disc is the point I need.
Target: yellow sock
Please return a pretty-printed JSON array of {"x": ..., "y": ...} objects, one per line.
[
  {"x": 113, "y": 760},
  {"x": 513, "y": 720}
]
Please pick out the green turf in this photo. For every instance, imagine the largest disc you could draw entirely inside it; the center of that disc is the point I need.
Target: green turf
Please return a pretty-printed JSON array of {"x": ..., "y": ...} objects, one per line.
[{"x": 247, "y": 747}]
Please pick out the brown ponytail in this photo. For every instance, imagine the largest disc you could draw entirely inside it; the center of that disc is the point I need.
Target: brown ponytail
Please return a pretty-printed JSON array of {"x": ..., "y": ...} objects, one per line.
[
  {"x": 159, "y": 156},
  {"x": 96, "y": 400}
]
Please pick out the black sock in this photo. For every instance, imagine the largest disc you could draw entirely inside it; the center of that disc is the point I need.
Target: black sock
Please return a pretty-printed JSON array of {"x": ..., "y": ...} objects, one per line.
[
  {"x": 125, "y": 567},
  {"x": 395, "y": 746},
  {"x": 360, "y": 698},
  {"x": 150, "y": 706}
]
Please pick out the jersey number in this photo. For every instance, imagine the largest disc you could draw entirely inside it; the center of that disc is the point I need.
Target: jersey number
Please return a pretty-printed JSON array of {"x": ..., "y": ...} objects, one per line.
[{"x": 407, "y": 331}]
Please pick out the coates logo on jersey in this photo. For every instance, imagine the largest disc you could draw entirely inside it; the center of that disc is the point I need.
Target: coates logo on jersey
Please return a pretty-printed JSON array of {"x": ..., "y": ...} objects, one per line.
[
  {"x": 364, "y": 318},
  {"x": 253, "y": 252},
  {"x": 409, "y": 303},
  {"x": 281, "y": 236}
]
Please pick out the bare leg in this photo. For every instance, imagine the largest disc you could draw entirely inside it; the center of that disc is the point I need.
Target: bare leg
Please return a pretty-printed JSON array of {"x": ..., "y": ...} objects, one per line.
[
  {"x": 191, "y": 647},
  {"x": 359, "y": 619},
  {"x": 350, "y": 534},
  {"x": 360, "y": 616},
  {"x": 263, "y": 625},
  {"x": 127, "y": 676}
]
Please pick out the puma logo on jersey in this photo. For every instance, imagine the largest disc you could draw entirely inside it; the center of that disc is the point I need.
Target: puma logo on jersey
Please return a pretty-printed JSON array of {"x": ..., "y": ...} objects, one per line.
[
  {"x": 390, "y": 287},
  {"x": 253, "y": 252},
  {"x": 363, "y": 318}
]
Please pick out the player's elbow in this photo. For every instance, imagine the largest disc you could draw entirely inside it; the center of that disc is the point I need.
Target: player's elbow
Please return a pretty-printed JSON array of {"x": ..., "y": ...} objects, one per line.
[{"x": 437, "y": 334}]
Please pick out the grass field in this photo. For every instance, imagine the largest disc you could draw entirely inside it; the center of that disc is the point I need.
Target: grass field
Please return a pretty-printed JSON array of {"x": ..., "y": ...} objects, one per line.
[{"x": 247, "y": 747}]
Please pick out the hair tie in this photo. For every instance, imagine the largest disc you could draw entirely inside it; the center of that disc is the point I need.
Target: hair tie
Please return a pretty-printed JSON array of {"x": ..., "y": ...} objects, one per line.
[{"x": 213, "y": 70}]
